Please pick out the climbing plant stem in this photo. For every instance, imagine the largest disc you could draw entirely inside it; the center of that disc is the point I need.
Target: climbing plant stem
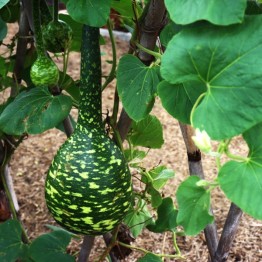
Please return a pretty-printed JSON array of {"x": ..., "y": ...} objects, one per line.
[
  {"x": 178, "y": 256},
  {"x": 155, "y": 54},
  {"x": 195, "y": 106},
  {"x": 236, "y": 157},
  {"x": 55, "y": 10},
  {"x": 37, "y": 29}
]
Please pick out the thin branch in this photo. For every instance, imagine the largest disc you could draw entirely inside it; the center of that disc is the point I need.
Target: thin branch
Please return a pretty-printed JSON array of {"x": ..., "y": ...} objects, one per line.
[
  {"x": 86, "y": 248},
  {"x": 45, "y": 13},
  {"x": 20, "y": 51},
  {"x": 195, "y": 168},
  {"x": 228, "y": 234},
  {"x": 28, "y": 8},
  {"x": 108, "y": 238},
  {"x": 124, "y": 124},
  {"x": 55, "y": 10},
  {"x": 68, "y": 127},
  {"x": 150, "y": 27}
]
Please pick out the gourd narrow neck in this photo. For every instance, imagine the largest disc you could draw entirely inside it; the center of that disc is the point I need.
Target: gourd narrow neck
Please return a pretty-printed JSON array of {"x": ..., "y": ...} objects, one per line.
[
  {"x": 37, "y": 29},
  {"x": 90, "y": 79}
]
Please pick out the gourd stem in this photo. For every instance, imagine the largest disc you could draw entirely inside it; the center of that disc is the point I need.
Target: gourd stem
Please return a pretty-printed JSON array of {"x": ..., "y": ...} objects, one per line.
[
  {"x": 55, "y": 10},
  {"x": 86, "y": 248},
  {"x": 3, "y": 176},
  {"x": 90, "y": 79},
  {"x": 8, "y": 194},
  {"x": 228, "y": 233},
  {"x": 115, "y": 108},
  {"x": 148, "y": 51},
  {"x": 37, "y": 29},
  {"x": 112, "y": 73},
  {"x": 21, "y": 51}
]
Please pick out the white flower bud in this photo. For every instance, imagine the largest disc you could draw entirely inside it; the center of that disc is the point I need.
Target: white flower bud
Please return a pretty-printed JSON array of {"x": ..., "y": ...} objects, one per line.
[
  {"x": 202, "y": 140},
  {"x": 202, "y": 183}
]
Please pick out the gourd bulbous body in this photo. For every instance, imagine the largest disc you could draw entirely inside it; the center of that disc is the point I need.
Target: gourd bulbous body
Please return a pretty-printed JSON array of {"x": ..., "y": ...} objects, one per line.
[{"x": 88, "y": 187}]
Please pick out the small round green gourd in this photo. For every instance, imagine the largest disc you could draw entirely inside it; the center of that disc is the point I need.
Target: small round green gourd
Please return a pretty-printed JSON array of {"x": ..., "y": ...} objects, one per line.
[
  {"x": 88, "y": 187},
  {"x": 57, "y": 36},
  {"x": 44, "y": 72}
]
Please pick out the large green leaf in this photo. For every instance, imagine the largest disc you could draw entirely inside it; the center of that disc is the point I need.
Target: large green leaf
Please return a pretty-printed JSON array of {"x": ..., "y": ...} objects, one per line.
[
  {"x": 194, "y": 206},
  {"x": 242, "y": 181},
  {"x": 91, "y": 12},
  {"x": 156, "y": 198},
  {"x": 179, "y": 99},
  {"x": 124, "y": 7},
  {"x": 2, "y": 68},
  {"x": 134, "y": 157},
  {"x": 253, "y": 8},
  {"x": 11, "y": 245},
  {"x": 51, "y": 247},
  {"x": 3, "y": 29},
  {"x": 166, "y": 217},
  {"x": 138, "y": 218},
  {"x": 34, "y": 112},
  {"x": 147, "y": 132},
  {"x": 227, "y": 64},
  {"x": 222, "y": 12},
  {"x": 168, "y": 32},
  {"x": 160, "y": 176},
  {"x": 136, "y": 84},
  {"x": 149, "y": 257},
  {"x": 3, "y": 3}
]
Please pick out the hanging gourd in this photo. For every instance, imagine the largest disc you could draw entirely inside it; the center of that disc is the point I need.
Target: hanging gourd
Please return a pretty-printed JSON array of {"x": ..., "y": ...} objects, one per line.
[
  {"x": 57, "y": 34},
  {"x": 43, "y": 71},
  {"x": 88, "y": 187}
]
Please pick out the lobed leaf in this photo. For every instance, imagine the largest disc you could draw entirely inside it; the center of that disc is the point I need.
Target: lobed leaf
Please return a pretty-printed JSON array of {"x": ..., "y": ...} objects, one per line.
[
  {"x": 138, "y": 218},
  {"x": 160, "y": 176},
  {"x": 166, "y": 217},
  {"x": 147, "y": 132},
  {"x": 3, "y": 3},
  {"x": 179, "y": 99},
  {"x": 51, "y": 247},
  {"x": 3, "y": 29},
  {"x": 123, "y": 7},
  {"x": 136, "y": 85},
  {"x": 228, "y": 66},
  {"x": 194, "y": 206},
  {"x": 34, "y": 112},
  {"x": 242, "y": 181},
  {"x": 90, "y": 12},
  {"x": 11, "y": 246},
  {"x": 222, "y": 12},
  {"x": 156, "y": 198},
  {"x": 134, "y": 156}
]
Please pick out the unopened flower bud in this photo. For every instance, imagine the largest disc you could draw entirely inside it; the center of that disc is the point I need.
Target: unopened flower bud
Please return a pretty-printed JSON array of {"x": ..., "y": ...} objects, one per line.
[{"x": 202, "y": 140}]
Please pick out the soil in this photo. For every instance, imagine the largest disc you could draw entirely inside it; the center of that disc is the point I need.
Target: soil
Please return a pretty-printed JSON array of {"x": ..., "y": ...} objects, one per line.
[{"x": 33, "y": 157}]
